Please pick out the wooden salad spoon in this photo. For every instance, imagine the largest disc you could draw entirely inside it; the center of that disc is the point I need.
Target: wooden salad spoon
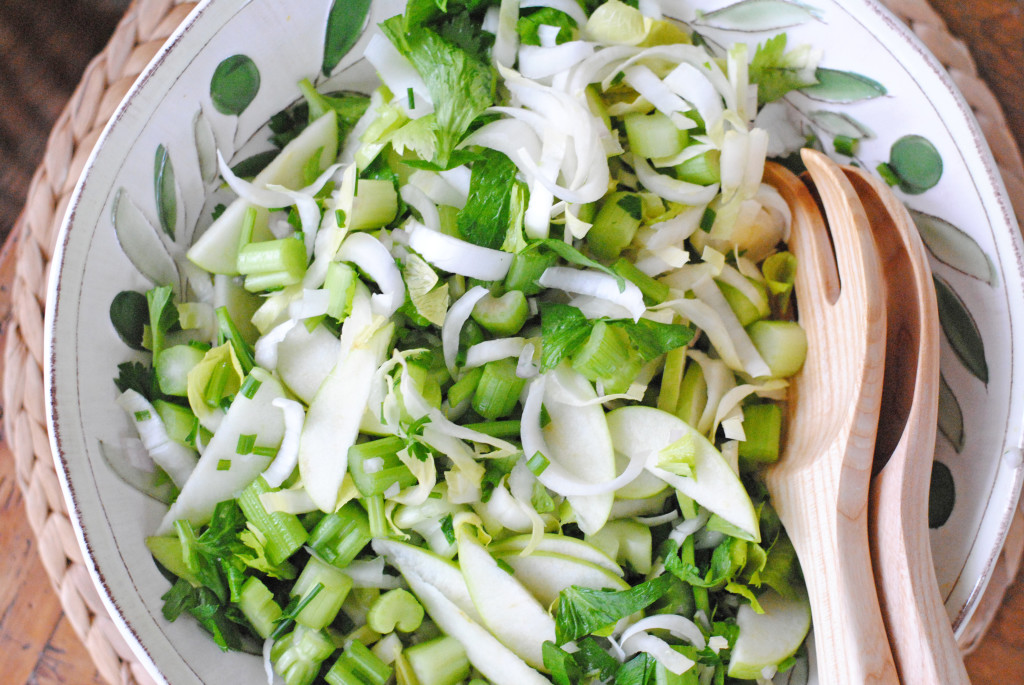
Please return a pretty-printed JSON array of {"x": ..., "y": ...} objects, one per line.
[
  {"x": 919, "y": 628},
  {"x": 820, "y": 485}
]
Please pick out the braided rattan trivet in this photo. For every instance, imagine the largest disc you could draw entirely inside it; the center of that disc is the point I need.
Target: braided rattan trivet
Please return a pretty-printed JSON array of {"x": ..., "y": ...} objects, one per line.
[{"x": 108, "y": 77}]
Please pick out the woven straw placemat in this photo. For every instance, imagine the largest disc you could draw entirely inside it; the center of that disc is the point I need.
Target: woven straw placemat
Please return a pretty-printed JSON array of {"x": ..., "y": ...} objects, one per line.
[{"x": 138, "y": 37}]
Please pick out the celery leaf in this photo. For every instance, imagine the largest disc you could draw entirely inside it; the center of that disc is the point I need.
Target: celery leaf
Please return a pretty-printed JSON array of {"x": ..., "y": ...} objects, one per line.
[{"x": 485, "y": 218}]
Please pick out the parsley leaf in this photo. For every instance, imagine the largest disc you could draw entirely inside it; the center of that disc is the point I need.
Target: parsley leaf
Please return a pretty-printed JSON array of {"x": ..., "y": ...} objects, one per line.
[
  {"x": 138, "y": 377},
  {"x": 546, "y": 16},
  {"x": 563, "y": 329},
  {"x": 582, "y": 610},
  {"x": 485, "y": 218},
  {"x": 776, "y": 72},
  {"x": 651, "y": 339}
]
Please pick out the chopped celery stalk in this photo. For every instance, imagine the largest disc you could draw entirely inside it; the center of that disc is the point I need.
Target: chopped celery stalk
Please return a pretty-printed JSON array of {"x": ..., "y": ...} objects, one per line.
[
  {"x": 654, "y": 291},
  {"x": 509, "y": 428},
  {"x": 464, "y": 388},
  {"x": 284, "y": 532},
  {"x": 762, "y": 424},
  {"x": 672, "y": 380},
  {"x": 441, "y": 661},
  {"x": 693, "y": 395},
  {"x": 780, "y": 272},
  {"x": 745, "y": 310},
  {"x": 375, "y": 515},
  {"x": 376, "y": 204},
  {"x": 606, "y": 356},
  {"x": 327, "y": 603},
  {"x": 395, "y": 610},
  {"x": 703, "y": 169},
  {"x": 340, "y": 536},
  {"x": 498, "y": 390},
  {"x": 259, "y": 607},
  {"x": 272, "y": 264},
  {"x": 527, "y": 266},
  {"x": 172, "y": 366},
  {"x": 627, "y": 542},
  {"x": 358, "y": 666},
  {"x": 503, "y": 316},
  {"x": 680, "y": 457},
  {"x": 782, "y": 345},
  {"x": 167, "y": 550},
  {"x": 340, "y": 284},
  {"x": 375, "y": 466},
  {"x": 654, "y": 135},
  {"x": 181, "y": 424},
  {"x": 297, "y": 656},
  {"x": 615, "y": 225},
  {"x": 248, "y": 224},
  {"x": 229, "y": 332}
]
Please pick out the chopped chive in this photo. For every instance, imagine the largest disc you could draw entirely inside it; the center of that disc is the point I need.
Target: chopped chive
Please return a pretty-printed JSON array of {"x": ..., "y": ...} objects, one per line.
[
  {"x": 448, "y": 528},
  {"x": 245, "y": 444},
  {"x": 287, "y": 619},
  {"x": 412, "y": 98},
  {"x": 143, "y": 415},
  {"x": 707, "y": 220},
  {"x": 224, "y": 465},
  {"x": 538, "y": 463},
  {"x": 250, "y": 386},
  {"x": 264, "y": 451},
  {"x": 230, "y": 333}
]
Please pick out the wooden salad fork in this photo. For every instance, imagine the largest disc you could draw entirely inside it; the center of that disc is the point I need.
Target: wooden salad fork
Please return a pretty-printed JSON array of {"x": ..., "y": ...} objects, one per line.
[
  {"x": 919, "y": 628},
  {"x": 820, "y": 485}
]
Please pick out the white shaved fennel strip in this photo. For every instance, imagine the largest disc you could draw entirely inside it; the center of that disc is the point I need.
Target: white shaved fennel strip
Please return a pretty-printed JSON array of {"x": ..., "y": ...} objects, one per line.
[
  {"x": 175, "y": 459},
  {"x": 458, "y": 314},
  {"x": 210, "y": 483},
  {"x": 442, "y": 602},
  {"x": 679, "y": 626},
  {"x": 666, "y": 656},
  {"x": 595, "y": 284},
  {"x": 458, "y": 256},
  {"x": 370, "y": 255},
  {"x": 288, "y": 453},
  {"x": 538, "y": 62},
  {"x": 493, "y": 350},
  {"x": 332, "y": 422}
]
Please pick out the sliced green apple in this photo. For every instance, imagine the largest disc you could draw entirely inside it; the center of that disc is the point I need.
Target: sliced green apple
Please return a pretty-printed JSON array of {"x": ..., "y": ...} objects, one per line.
[
  {"x": 305, "y": 359},
  {"x": 545, "y": 574},
  {"x": 580, "y": 443},
  {"x": 714, "y": 485},
  {"x": 438, "y": 571},
  {"x": 767, "y": 639},
  {"x": 507, "y": 608},
  {"x": 552, "y": 543}
]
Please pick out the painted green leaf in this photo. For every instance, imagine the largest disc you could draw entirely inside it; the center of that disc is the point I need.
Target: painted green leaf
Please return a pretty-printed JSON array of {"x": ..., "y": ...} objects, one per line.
[
  {"x": 151, "y": 483},
  {"x": 166, "y": 192},
  {"x": 128, "y": 314},
  {"x": 942, "y": 496},
  {"x": 840, "y": 124},
  {"x": 344, "y": 24},
  {"x": 961, "y": 330},
  {"x": 141, "y": 242},
  {"x": 916, "y": 163},
  {"x": 758, "y": 15},
  {"x": 951, "y": 416},
  {"x": 235, "y": 83},
  {"x": 206, "y": 147},
  {"x": 954, "y": 248},
  {"x": 843, "y": 86}
]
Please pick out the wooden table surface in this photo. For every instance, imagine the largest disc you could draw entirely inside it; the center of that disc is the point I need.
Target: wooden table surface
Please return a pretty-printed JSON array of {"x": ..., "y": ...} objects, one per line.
[{"x": 42, "y": 55}]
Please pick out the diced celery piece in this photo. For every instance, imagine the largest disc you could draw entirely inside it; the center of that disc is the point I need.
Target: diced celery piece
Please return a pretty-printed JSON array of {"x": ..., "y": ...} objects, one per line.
[
  {"x": 615, "y": 225},
  {"x": 526, "y": 268},
  {"x": 395, "y": 610},
  {"x": 166, "y": 549},
  {"x": 703, "y": 169},
  {"x": 654, "y": 291},
  {"x": 654, "y": 135},
  {"x": 340, "y": 536},
  {"x": 172, "y": 366},
  {"x": 375, "y": 205},
  {"x": 464, "y": 388},
  {"x": 258, "y": 605},
  {"x": 340, "y": 284},
  {"x": 498, "y": 390},
  {"x": 762, "y": 424},
  {"x": 358, "y": 666},
  {"x": 503, "y": 316},
  {"x": 327, "y": 602},
  {"x": 441, "y": 661},
  {"x": 606, "y": 356},
  {"x": 375, "y": 466},
  {"x": 284, "y": 532},
  {"x": 272, "y": 264},
  {"x": 782, "y": 345},
  {"x": 180, "y": 423},
  {"x": 297, "y": 656},
  {"x": 693, "y": 395},
  {"x": 745, "y": 310},
  {"x": 672, "y": 380}
]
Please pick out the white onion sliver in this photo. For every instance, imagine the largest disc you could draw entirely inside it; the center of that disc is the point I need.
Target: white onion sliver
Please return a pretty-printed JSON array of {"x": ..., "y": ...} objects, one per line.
[
  {"x": 399, "y": 75},
  {"x": 595, "y": 284},
  {"x": 418, "y": 200},
  {"x": 493, "y": 350},
  {"x": 538, "y": 62},
  {"x": 660, "y": 650},
  {"x": 288, "y": 453},
  {"x": 673, "y": 189},
  {"x": 525, "y": 368},
  {"x": 458, "y": 256},
  {"x": 458, "y": 314},
  {"x": 679, "y": 626},
  {"x": 689, "y": 527},
  {"x": 370, "y": 573},
  {"x": 370, "y": 255}
]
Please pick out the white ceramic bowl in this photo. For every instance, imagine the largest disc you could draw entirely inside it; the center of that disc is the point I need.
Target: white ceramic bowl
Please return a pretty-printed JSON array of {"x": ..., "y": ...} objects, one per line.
[{"x": 966, "y": 221}]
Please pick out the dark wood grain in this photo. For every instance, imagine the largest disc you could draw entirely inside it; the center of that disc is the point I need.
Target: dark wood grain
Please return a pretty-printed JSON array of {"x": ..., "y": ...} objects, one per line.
[{"x": 43, "y": 49}]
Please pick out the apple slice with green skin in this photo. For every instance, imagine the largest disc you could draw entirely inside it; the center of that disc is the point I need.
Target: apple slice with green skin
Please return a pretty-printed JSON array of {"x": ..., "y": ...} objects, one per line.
[
  {"x": 216, "y": 250},
  {"x": 507, "y": 608},
  {"x": 545, "y": 574},
  {"x": 305, "y": 359},
  {"x": 499, "y": 664},
  {"x": 580, "y": 443},
  {"x": 767, "y": 639},
  {"x": 714, "y": 485},
  {"x": 552, "y": 543},
  {"x": 332, "y": 421},
  {"x": 645, "y": 485},
  {"x": 441, "y": 573}
]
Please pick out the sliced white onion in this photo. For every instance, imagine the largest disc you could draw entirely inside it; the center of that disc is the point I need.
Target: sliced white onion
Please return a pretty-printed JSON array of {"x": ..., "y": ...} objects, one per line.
[
  {"x": 689, "y": 526},
  {"x": 458, "y": 314},
  {"x": 596, "y": 308},
  {"x": 525, "y": 367},
  {"x": 493, "y": 350},
  {"x": 751, "y": 361},
  {"x": 268, "y": 665},
  {"x": 595, "y": 284},
  {"x": 673, "y": 231},
  {"x": 654, "y": 90},
  {"x": 660, "y": 650},
  {"x": 288, "y": 453},
  {"x": 507, "y": 136},
  {"x": 310, "y": 304},
  {"x": 506, "y": 39},
  {"x": 272, "y": 196},
  {"x": 174, "y": 458},
  {"x": 438, "y": 188},
  {"x": 548, "y": 37},
  {"x": 730, "y": 275},
  {"x": 539, "y": 62},
  {"x": 720, "y": 379},
  {"x": 671, "y": 188},
  {"x": 694, "y": 85},
  {"x": 370, "y": 255},
  {"x": 458, "y": 256},
  {"x": 418, "y": 200},
  {"x": 652, "y": 521},
  {"x": 678, "y": 626}
]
